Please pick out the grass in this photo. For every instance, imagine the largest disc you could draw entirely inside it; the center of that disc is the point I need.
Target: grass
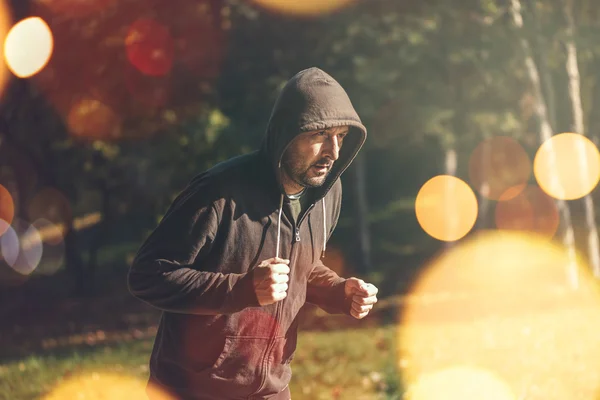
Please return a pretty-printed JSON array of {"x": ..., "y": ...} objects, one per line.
[
  {"x": 452, "y": 348},
  {"x": 352, "y": 364},
  {"x": 346, "y": 364}
]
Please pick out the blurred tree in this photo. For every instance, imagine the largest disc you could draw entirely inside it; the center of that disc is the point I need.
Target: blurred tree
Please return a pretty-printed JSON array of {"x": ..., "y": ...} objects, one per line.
[
  {"x": 546, "y": 132},
  {"x": 574, "y": 85}
]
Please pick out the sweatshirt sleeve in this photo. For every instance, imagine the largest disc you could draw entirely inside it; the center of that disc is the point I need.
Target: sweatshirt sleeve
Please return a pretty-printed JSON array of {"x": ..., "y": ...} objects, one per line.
[
  {"x": 324, "y": 287},
  {"x": 169, "y": 270},
  {"x": 326, "y": 290}
]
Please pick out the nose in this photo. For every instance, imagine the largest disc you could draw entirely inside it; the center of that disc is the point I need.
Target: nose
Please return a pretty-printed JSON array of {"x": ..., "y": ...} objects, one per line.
[{"x": 333, "y": 148}]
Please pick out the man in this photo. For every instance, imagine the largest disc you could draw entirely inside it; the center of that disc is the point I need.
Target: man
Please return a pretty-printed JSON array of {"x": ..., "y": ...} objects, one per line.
[{"x": 239, "y": 252}]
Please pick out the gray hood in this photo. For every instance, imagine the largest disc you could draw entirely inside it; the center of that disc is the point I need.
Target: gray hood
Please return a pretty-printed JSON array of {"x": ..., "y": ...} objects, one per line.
[{"x": 312, "y": 100}]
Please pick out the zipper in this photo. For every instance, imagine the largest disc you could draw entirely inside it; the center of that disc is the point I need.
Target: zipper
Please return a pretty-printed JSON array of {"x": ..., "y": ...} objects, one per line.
[
  {"x": 304, "y": 215},
  {"x": 279, "y": 305},
  {"x": 265, "y": 361}
]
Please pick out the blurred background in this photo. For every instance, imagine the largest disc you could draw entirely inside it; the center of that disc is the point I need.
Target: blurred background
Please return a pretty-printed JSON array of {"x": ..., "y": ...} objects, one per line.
[{"x": 473, "y": 205}]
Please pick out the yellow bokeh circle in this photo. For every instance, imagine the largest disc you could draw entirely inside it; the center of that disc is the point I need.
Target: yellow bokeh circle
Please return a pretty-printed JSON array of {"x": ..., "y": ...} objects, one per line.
[
  {"x": 460, "y": 383},
  {"x": 446, "y": 208},
  {"x": 502, "y": 301},
  {"x": 303, "y": 7},
  {"x": 28, "y": 47},
  {"x": 105, "y": 385},
  {"x": 567, "y": 166}
]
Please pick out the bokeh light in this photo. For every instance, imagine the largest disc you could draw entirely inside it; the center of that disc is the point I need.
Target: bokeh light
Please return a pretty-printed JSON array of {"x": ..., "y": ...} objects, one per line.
[
  {"x": 52, "y": 236},
  {"x": 7, "y": 209},
  {"x": 87, "y": 221},
  {"x": 119, "y": 65},
  {"x": 75, "y": 8},
  {"x": 577, "y": 167},
  {"x": 9, "y": 253},
  {"x": 9, "y": 244},
  {"x": 532, "y": 210},
  {"x": 502, "y": 163},
  {"x": 460, "y": 383},
  {"x": 22, "y": 247},
  {"x": 304, "y": 7},
  {"x": 51, "y": 233},
  {"x": 91, "y": 119},
  {"x": 30, "y": 245},
  {"x": 28, "y": 47},
  {"x": 501, "y": 301},
  {"x": 5, "y": 25},
  {"x": 105, "y": 385},
  {"x": 446, "y": 208},
  {"x": 150, "y": 47}
]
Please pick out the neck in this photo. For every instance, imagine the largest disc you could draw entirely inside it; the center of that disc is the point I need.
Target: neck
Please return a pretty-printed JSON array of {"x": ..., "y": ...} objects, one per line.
[{"x": 289, "y": 185}]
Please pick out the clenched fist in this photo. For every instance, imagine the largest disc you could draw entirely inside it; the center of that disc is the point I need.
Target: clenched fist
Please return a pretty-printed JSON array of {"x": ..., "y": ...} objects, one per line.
[
  {"x": 270, "y": 280},
  {"x": 363, "y": 295}
]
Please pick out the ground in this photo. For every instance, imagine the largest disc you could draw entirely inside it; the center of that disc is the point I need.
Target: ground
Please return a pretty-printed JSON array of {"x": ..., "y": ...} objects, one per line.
[{"x": 457, "y": 347}]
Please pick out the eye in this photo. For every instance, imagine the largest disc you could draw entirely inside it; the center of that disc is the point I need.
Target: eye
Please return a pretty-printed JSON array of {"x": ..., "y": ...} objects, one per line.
[{"x": 321, "y": 133}]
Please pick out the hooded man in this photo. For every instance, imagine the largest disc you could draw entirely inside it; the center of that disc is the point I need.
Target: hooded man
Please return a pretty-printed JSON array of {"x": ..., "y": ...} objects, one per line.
[{"x": 239, "y": 252}]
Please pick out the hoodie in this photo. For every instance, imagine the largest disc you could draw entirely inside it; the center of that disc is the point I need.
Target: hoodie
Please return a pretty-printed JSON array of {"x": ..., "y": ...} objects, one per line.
[{"x": 214, "y": 340}]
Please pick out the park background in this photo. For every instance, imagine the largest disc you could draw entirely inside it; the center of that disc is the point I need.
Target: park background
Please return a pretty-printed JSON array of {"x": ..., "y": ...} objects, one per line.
[{"x": 487, "y": 281}]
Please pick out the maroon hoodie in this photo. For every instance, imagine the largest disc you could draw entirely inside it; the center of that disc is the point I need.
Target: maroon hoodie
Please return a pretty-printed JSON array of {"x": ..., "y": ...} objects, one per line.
[{"x": 214, "y": 340}]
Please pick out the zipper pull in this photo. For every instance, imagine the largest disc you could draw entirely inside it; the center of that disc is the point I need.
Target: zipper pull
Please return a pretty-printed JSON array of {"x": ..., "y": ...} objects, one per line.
[{"x": 297, "y": 235}]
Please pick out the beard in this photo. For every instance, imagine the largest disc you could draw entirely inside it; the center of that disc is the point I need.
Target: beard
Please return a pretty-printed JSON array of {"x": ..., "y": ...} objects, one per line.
[{"x": 300, "y": 172}]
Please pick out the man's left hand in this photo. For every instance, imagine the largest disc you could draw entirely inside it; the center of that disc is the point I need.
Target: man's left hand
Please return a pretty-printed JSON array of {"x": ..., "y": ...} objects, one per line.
[{"x": 363, "y": 296}]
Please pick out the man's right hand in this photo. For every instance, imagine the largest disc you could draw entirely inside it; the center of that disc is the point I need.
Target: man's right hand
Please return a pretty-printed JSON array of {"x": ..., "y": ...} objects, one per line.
[{"x": 270, "y": 280}]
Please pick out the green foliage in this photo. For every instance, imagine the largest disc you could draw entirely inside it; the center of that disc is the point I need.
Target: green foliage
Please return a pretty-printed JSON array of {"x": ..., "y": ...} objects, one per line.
[{"x": 424, "y": 76}]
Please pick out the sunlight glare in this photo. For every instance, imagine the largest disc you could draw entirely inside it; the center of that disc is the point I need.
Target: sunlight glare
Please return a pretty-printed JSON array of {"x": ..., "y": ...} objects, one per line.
[
  {"x": 104, "y": 385},
  {"x": 303, "y": 7},
  {"x": 501, "y": 301},
  {"x": 574, "y": 155},
  {"x": 28, "y": 47},
  {"x": 460, "y": 383},
  {"x": 446, "y": 208}
]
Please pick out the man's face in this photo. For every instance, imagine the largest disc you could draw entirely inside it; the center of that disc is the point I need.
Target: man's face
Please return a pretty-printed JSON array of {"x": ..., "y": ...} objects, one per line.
[{"x": 309, "y": 158}]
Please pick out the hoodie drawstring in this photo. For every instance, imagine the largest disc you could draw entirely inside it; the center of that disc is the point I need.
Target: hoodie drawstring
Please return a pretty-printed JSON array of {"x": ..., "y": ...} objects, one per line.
[
  {"x": 279, "y": 226},
  {"x": 324, "y": 229}
]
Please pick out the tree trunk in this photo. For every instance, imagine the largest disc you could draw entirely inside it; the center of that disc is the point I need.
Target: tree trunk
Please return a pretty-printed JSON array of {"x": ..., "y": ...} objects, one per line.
[
  {"x": 545, "y": 76},
  {"x": 484, "y": 189},
  {"x": 362, "y": 213},
  {"x": 450, "y": 167},
  {"x": 546, "y": 132},
  {"x": 572, "y": 67},
  {"x": 593, "y": 131}
]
